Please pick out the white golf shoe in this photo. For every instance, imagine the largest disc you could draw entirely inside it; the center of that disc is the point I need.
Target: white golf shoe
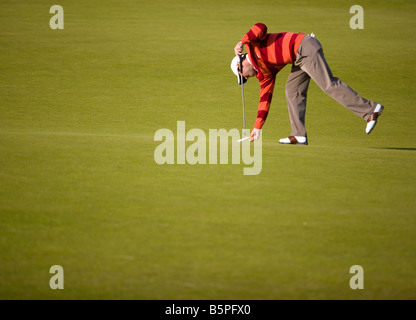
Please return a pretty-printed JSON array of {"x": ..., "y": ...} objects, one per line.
[
  {"x": 372, "y": 121},
  {"x": 294, "y": 140}
]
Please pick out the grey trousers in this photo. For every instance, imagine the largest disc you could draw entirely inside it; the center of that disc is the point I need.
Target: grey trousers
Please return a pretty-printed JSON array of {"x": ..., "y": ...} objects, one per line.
[{"x": 310, "y": 63}]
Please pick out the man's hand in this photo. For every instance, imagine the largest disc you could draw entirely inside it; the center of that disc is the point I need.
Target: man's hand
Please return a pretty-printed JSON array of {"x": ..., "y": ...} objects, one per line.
[
  {"x": 255, "y": 134},
  {"x": 238, "y": 50}
]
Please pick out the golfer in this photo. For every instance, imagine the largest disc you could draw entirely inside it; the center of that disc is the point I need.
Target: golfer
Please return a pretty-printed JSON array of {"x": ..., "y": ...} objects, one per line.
[{"x": 268, "y": 53}]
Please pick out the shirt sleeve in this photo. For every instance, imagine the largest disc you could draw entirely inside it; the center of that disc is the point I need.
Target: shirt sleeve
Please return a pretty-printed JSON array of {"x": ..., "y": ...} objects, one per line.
[
  {"x": 266, "y": 94},
  {"x": 256, "y": 33}
]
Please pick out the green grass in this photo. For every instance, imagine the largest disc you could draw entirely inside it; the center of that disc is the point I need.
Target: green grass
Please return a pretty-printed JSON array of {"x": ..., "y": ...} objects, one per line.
[{"x": 79, "y": 186}]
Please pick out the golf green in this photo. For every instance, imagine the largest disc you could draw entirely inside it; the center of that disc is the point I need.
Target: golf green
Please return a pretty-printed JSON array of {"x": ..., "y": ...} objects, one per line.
[{"x": 80, "y": 187}]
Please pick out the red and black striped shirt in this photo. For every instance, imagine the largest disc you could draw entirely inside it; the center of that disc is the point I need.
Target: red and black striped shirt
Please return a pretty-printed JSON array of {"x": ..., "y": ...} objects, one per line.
[{"x": 269, "y": 53}]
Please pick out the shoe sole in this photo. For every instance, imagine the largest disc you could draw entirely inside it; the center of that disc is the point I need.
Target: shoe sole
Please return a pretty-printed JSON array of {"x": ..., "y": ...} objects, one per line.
[{"x": 294, "y": 144}]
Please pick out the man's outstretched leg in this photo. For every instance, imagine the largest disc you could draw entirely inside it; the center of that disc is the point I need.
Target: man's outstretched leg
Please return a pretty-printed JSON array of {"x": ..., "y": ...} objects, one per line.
[{"x": 311, "y": 59}]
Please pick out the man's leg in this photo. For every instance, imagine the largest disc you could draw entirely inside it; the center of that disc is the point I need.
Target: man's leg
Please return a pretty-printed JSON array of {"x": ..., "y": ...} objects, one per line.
[
  {"x": 312, "y": 61},
  {"x": 296, "y": 93}
]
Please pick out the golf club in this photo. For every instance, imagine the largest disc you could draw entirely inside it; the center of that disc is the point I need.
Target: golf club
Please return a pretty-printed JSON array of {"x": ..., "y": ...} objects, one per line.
[{"x": 242, "y": 96}]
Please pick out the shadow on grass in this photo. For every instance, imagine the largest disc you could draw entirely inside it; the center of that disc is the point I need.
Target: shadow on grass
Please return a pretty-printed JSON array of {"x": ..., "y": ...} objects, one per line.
[{"x": 392, "y": 148}]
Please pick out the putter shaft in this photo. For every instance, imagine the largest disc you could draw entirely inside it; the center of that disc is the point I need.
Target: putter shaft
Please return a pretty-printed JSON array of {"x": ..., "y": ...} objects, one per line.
[{"x": 242, "y": 95}]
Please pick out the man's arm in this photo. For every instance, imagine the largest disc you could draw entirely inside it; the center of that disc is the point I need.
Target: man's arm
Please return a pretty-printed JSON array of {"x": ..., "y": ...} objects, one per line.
[
  {"x": 256, "y": 33},
  {"x": 266, "y": 94}
]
